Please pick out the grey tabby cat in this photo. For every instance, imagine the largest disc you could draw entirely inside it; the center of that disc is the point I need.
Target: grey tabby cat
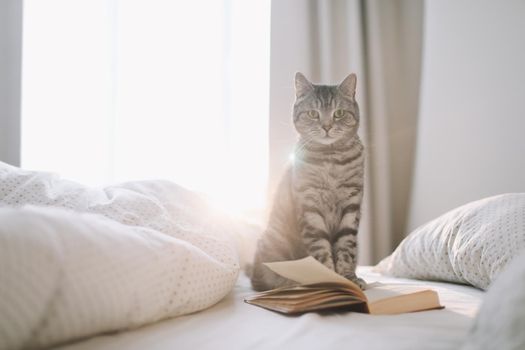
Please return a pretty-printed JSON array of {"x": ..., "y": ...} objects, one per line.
[{"x": 317, "y": 206}]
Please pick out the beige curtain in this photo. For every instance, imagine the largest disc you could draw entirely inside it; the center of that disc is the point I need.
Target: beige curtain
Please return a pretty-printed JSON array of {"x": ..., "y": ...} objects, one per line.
[
  {"x": 381, "y": 42},
  {"x": 393, "y": 35}
]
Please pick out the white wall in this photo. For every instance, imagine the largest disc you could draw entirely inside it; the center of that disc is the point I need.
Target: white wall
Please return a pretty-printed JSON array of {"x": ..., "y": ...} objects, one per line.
[
  {"x": 10, "y": 58},
  {"x": 471, "y": 133}
]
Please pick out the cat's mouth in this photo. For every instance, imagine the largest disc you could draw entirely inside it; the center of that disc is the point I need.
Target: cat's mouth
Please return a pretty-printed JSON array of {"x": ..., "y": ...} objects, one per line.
[
  {"x": 326, "y": 139},
  {"x": 327, "y": 136}
]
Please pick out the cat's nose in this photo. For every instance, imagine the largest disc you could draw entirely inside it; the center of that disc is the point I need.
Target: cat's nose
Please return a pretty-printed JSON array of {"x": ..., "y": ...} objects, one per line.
[{"x": 327, "y": 127}]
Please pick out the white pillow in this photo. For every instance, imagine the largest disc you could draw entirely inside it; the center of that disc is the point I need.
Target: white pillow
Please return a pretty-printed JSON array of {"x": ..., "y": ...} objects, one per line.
[
  {"x": 470, "y": 244},
  {"x": 77, "y": 261},
  {"x": 67, "y": 275},
  {"x": 500, "y": 323}
]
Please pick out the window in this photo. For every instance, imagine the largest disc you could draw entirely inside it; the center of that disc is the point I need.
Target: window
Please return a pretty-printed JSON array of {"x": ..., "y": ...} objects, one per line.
[{"x": 146, "y": 89}]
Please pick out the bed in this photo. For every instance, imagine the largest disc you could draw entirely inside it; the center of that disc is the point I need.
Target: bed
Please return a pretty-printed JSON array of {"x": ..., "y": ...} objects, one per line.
[
  {"x": 233, "y": 324},
  {"x": 148, "y": 265}
]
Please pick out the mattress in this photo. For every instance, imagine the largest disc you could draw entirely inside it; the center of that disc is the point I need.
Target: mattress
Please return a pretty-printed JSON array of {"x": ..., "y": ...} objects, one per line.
[{"x": 233, "y": 324}]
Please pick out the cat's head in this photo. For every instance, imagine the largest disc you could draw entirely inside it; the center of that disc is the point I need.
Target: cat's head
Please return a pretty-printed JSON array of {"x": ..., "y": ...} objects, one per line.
[{"x": 324, "y": 113}]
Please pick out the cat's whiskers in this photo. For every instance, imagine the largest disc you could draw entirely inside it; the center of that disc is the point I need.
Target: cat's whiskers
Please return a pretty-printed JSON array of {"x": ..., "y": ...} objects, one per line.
[{"x": 301, "y": 146}]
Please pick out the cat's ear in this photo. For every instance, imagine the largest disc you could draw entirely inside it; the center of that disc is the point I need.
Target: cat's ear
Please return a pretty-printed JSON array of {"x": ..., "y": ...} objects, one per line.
[
  {"x": 302, "y": 85},
  {"x": 347, "y": 87}
]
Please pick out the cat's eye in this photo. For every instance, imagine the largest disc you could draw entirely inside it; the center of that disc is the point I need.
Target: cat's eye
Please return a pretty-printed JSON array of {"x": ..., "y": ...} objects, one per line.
[
  {"x": 313, "y": 114},
  {"x": 340, "y": 113}
]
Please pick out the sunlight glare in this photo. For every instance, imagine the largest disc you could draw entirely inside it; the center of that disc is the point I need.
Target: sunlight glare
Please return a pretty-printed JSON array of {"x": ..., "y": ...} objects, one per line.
[{"x": 156, "y": 90}]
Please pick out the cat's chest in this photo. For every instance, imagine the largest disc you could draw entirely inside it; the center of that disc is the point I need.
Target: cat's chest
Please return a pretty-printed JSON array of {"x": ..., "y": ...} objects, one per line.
[
  {"x": 326, "y": 173},
  {"x": 335, "y": 174}
]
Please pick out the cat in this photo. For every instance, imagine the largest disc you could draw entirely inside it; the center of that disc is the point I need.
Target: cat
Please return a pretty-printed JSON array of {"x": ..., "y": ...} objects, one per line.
[{"x": 317, "y": 206}]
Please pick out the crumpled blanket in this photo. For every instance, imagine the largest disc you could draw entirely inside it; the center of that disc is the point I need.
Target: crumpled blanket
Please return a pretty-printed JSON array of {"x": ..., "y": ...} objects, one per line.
[{"x": 77, "y": 261}]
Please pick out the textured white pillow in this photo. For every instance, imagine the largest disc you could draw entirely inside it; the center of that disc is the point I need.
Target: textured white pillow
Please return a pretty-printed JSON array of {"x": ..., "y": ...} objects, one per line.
[
  {"x": 77, "y": 261},
  {"x": 65, "y": 275},
  {"x": 500, "y": 323},
  {"x": 470, "y": 244}
]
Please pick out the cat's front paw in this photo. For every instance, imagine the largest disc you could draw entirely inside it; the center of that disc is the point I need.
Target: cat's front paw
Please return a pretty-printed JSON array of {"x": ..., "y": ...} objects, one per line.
[
  {"x": 329, "y": 263},
  {"x": 326, "y": 261},
  {"x": 359, "y": 281}
]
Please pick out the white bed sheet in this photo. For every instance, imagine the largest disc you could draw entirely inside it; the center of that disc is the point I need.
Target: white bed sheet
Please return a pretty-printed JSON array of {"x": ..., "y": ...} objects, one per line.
[{"x": 232, "y": 324}]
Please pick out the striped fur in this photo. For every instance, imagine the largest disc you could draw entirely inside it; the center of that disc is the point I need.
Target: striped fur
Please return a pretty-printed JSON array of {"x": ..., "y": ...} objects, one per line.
[{"x": 317, "y": 207}]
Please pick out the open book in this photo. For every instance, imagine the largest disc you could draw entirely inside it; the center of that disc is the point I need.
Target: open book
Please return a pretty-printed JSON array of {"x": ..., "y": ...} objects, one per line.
[{"x": 320, "y": 288}]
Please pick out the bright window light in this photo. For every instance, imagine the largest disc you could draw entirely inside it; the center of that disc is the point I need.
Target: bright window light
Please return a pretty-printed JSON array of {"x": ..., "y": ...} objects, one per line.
[{"x": 148, "y": 89}]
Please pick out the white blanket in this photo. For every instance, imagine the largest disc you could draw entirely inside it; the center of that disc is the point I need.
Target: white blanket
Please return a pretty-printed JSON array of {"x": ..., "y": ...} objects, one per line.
[
  {"x": 234, "y": 325},
  {"x": 77, "y": 261}
]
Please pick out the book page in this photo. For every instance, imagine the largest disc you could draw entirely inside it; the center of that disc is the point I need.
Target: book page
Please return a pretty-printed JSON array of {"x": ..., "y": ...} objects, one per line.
[
  {"x": 308, "y": 271},
  {"x": 384, "y": 291},
  {"x": 392, "y": 299}
]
